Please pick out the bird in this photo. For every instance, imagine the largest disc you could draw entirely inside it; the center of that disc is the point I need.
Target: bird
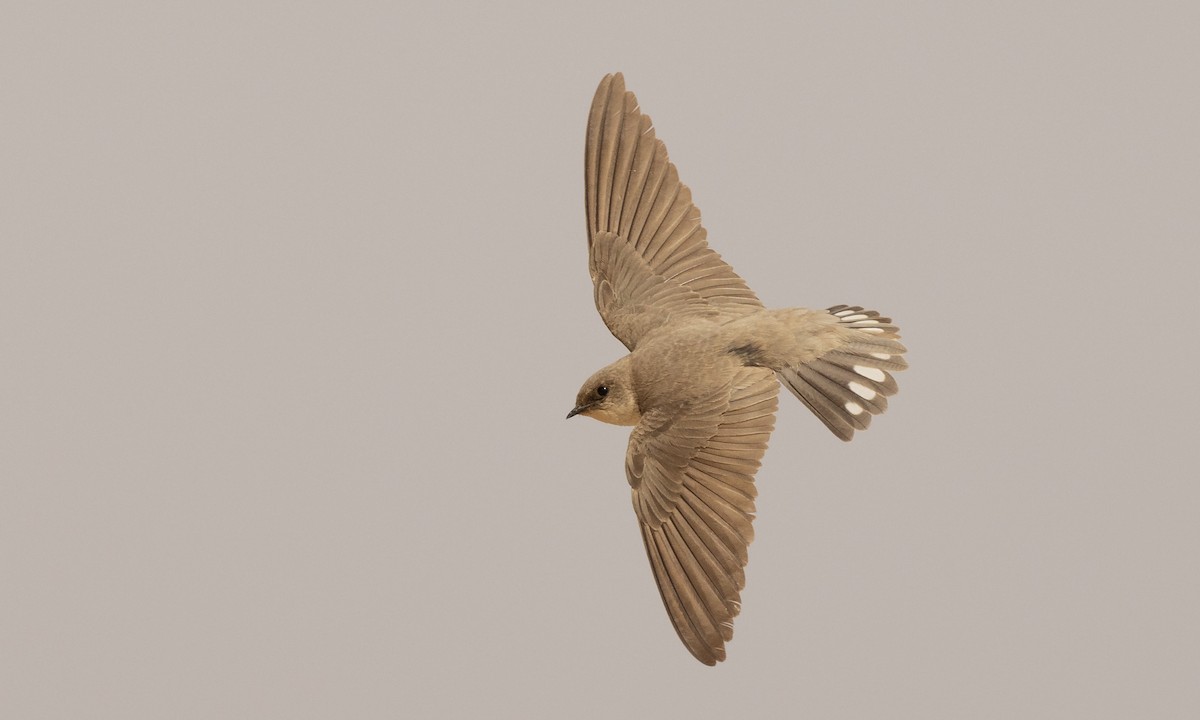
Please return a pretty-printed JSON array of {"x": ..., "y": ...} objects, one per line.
[{"x": 701, "y": 380}]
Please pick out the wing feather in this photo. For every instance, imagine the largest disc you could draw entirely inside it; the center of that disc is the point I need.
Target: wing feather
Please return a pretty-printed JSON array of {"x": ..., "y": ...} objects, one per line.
[
  {"x": 635, "y": 199},
  {"x": 675, "y": 607},
  {"x": 693, "y": 491},
  {"x": 710, "y": 608}
]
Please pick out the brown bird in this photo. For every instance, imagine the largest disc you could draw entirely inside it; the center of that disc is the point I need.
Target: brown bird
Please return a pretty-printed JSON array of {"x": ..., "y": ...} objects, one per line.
[{"x": 699, "y": 383}]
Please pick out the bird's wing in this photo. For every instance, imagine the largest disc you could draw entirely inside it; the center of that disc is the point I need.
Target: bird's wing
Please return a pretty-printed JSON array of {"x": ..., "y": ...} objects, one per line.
[
  {"x": 633, "y": 192},
  {"x": 692, "y": 476}
]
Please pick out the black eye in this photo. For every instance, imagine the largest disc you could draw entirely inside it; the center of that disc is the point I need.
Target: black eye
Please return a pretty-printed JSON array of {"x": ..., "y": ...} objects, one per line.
[{"x": 602, "y": 390}]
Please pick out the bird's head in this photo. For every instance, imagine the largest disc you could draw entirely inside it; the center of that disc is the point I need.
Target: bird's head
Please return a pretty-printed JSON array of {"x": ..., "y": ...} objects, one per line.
[{"x": 608, "y": 396}]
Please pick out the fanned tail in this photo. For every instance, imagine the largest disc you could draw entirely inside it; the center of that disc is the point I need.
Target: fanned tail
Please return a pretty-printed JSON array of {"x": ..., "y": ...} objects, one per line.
[{"x": 849, "y": 384}]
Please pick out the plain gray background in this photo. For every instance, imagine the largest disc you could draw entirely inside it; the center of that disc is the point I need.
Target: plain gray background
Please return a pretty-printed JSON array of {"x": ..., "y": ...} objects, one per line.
[{"x": 294, "y": 299}]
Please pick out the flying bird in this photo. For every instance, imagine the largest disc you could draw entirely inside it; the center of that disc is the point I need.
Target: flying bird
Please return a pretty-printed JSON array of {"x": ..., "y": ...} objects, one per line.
[{"x": 701, "y": 381}]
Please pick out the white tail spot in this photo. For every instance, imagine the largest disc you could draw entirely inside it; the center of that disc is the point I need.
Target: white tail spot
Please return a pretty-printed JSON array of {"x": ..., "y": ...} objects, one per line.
[
  {"x": 870, "y": 373},
  {"x": 854, "y": 318},
  {"x": 844, "y": 313},
  {"x": 862, "y": 391},
  {"x": 881, "y": 356},
  {"x": 854, "y": 408},
  {"x": 868, "y": 321},
  {"x": 872, "y": 329}
]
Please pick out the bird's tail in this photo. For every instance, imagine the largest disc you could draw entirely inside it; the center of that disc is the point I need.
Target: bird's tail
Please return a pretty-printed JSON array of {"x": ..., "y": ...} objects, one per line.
[{"x": 846, "y": 378}]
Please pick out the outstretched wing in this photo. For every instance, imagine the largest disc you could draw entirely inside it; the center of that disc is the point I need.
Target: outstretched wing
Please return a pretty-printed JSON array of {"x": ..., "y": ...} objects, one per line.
[
  {"x": 693, "y": 491},
  {"x": 634, "y": 198}
]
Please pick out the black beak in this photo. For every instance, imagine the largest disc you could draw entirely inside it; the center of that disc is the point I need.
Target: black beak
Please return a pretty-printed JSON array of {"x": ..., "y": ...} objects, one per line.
[{"x": 574, "y": 412}]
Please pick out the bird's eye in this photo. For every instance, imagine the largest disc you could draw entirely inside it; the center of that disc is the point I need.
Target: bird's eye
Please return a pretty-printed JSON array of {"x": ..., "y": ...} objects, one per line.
[{"x": 602, "y": 390}]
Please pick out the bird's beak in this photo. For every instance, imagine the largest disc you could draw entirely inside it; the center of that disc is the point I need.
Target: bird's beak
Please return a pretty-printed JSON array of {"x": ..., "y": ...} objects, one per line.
[{"x": 576, "y": 410}]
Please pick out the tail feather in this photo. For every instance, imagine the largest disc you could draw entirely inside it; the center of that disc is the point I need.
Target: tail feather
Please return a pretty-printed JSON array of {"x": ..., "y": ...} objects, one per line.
[
  {"x": 849, "y": 384},
  {"x": 826, "y": 410},
  {"x": 868, "y": 321}
]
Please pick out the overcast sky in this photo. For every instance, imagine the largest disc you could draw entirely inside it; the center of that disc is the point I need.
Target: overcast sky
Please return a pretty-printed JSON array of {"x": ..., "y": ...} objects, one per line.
[{"x": 293, "y": 300}]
